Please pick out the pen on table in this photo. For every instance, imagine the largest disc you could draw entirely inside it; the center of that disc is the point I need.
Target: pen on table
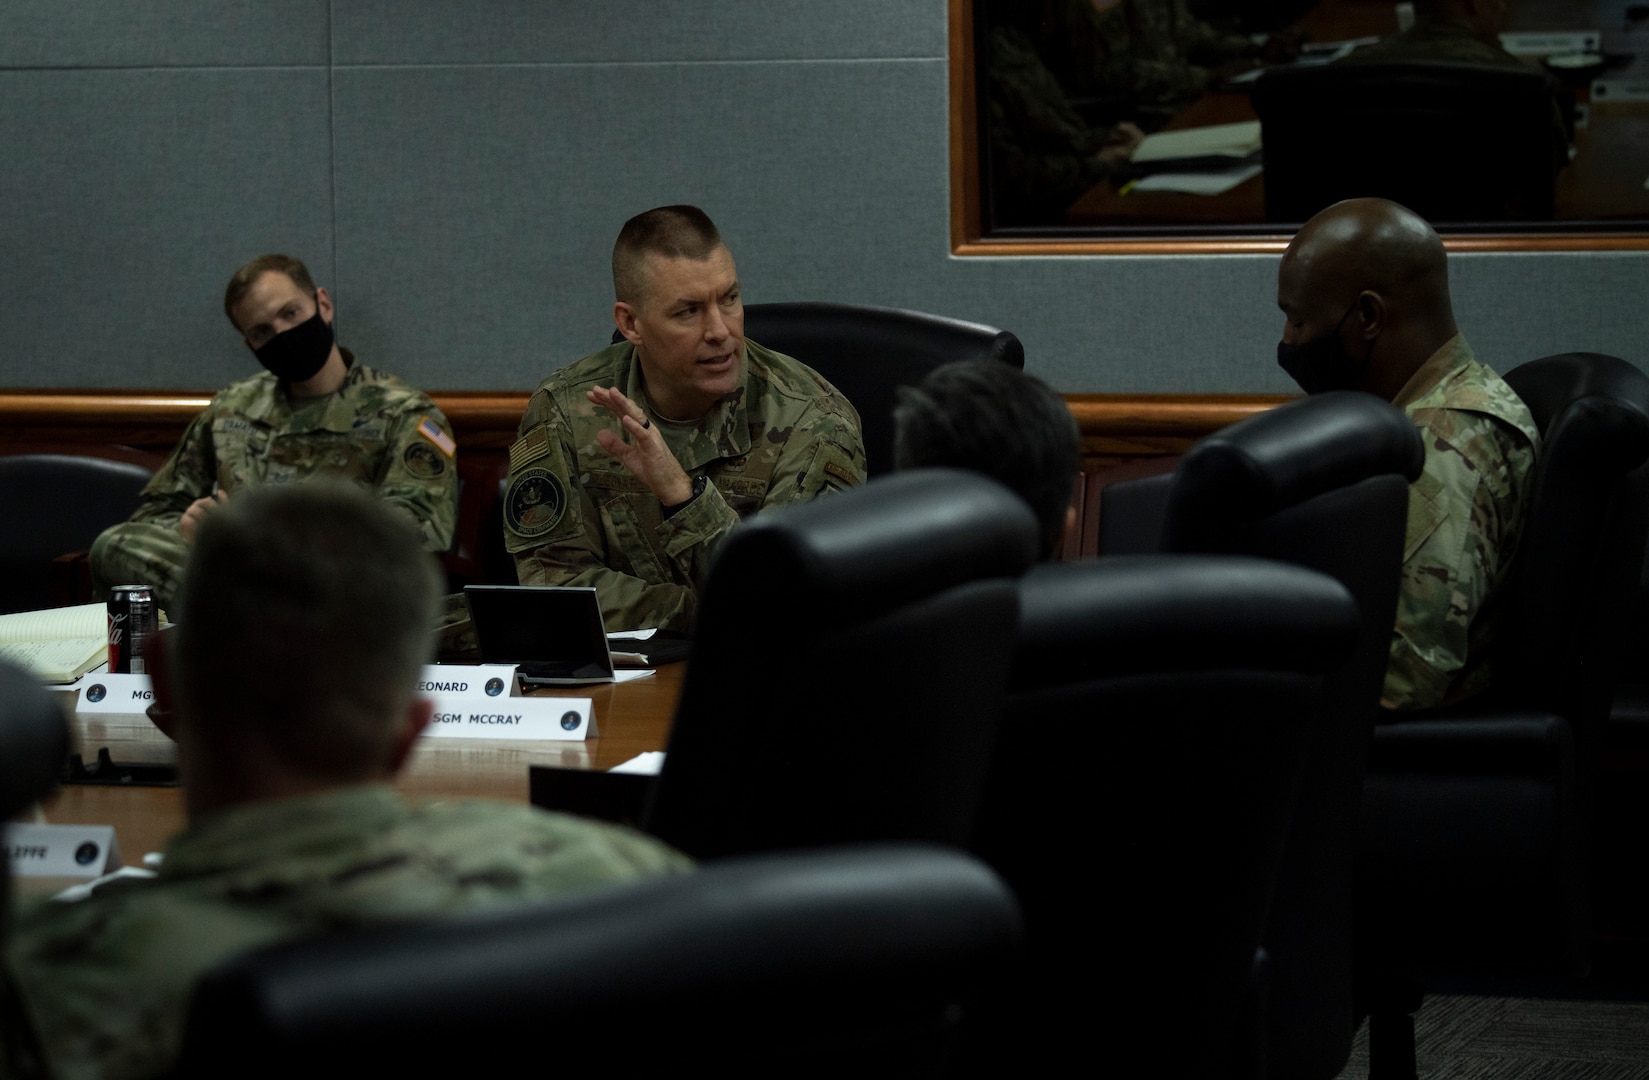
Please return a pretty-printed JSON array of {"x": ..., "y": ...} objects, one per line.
[{"x": 1126, "y": 188}]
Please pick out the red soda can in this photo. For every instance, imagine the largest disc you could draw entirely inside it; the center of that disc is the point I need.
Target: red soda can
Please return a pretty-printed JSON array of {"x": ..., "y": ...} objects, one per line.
[{"x": 133, "y": 621}]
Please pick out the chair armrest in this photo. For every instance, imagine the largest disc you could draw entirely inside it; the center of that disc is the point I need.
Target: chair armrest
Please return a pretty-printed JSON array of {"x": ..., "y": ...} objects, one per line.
[{"x": 1521, "y": 744}]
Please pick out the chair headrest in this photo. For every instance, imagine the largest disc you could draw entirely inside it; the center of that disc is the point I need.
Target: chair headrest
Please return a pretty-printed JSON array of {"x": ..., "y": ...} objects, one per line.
[
  {"x": 1295, "y": 452},
  {"x": 893, "y": 330},
  {"x": 1139, "y": 614},
  {"x": 34, "y": 740},
  {"x": 858, "y": 553},
  {"x": 1589, "y": 407}
]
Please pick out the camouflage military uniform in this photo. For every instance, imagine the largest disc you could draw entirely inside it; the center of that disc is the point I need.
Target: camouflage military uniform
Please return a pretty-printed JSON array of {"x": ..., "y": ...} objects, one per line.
[
  {"x": 374, "y": 429},
  {"x": 106, "y": 980},
  {"x": 574, "y": 516},
  {"x": 1465, "y": 517}
]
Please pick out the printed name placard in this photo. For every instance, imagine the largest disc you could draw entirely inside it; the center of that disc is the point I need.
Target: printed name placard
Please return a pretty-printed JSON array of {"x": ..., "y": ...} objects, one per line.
[
  {"x": 469, "y": 680},
  {"x": 1620, "y": 90},
  {"x": 60, "y": 851},
  {"x": 1550, "y": 43},
  {"x": 115, "y": 694},
  {"x": 559, "y": 718}
]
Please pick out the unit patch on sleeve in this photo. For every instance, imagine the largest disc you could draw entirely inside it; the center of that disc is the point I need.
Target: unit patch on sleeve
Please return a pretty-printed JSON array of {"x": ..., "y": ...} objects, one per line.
[
  {"x": 423, "y": 461},
  {"x": 534, "y": 503}
]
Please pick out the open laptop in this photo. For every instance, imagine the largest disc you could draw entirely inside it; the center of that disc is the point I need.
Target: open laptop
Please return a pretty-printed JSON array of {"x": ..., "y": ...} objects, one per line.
[{"x": 553, "y": 635}]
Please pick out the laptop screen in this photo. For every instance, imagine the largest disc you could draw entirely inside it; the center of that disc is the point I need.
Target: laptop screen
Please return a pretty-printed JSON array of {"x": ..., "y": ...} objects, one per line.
[{"x": 551, "y": 633}]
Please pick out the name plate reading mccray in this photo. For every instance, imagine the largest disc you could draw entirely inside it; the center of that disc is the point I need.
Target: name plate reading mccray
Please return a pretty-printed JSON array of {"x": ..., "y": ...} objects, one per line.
[
  {"x": 560, "y": 718},
  {"x": 109, "y": 693}
]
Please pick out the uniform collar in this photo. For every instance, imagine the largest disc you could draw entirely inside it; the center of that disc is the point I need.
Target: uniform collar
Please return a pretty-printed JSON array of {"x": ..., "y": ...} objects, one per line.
[
  {"x": 273, "y": 405},
  {"x": 723, "y": 432},
  {"x": 1449, "y": 362},
  {"x": 259, "y": 833}
]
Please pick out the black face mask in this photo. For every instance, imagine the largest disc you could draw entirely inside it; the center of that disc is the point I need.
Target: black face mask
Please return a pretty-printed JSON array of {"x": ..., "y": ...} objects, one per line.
[
  {"x": 298, "y": 353},
  {"x": 1322, "y": 364}
]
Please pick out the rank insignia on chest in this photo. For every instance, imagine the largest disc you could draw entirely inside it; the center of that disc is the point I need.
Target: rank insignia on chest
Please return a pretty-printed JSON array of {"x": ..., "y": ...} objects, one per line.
[{"x": 534, "y": 503}]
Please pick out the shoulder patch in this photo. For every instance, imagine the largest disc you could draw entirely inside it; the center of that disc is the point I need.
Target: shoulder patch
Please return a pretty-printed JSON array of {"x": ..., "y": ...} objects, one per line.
[
  {"x": 423, "y": 461},
  {"x": 529, "y": 447},
  {"x": 430, "y": 430},
  {"x": 534, "y": 503}
]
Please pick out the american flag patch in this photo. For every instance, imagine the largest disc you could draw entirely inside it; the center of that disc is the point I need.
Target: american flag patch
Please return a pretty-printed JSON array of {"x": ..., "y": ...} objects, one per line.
[{"x": 432, "y": 431}]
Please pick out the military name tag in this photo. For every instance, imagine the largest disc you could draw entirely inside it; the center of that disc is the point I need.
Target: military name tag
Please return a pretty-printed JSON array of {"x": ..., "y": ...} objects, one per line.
[
  {"x": 558, "y": 718},
  {"x": 109, "y": 693},
  {"x": 469, "y": 681},
  {"x": 61, "y": 851}
]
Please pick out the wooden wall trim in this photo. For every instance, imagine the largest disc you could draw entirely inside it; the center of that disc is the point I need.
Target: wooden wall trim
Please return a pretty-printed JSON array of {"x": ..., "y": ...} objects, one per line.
[{"x": 494, "y": 413}]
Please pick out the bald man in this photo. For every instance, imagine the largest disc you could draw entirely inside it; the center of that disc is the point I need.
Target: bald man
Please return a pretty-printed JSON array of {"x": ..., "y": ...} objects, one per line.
[{"x": 1364, "y": 289}]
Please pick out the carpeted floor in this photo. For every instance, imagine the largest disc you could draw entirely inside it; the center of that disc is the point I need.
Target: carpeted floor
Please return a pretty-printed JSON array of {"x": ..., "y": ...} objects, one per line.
[{"x": 1468, "y": 1038}]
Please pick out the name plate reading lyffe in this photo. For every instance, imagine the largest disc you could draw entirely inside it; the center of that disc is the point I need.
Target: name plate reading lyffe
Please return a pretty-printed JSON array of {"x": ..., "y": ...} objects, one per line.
[{"x": 60, "y": 851}]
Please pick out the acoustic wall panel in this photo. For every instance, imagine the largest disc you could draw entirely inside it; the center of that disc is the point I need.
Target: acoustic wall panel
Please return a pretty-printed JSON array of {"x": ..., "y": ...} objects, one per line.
[
  {"x": 131, "y": 195},
  {"x": 620, "y": 31},
  {"x": 162, "y": 33}
]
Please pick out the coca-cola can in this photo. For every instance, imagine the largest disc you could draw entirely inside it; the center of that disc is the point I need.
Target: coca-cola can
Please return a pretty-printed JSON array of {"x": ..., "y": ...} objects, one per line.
[{"x": 134, "y": 620}]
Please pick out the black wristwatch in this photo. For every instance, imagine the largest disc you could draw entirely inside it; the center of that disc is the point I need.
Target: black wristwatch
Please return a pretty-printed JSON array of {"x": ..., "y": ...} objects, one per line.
[{"x": 699, "y": 483}]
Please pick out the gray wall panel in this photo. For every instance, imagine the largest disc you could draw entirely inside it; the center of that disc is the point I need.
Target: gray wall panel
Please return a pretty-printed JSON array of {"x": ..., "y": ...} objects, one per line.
[
  {"x": 579, "y": 31},
  {"x": 477, "y": 206},
  {"x": 162, "y": 33},
  {"x": 130, "y": 198}
]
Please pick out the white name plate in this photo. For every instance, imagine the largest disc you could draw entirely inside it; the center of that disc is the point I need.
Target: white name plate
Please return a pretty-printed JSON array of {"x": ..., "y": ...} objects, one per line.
[
  {"x": 469, "y": 680},
  {"x": 559, "y": 718},
  {"x": 115, "y": 694},
  {"x": 61, "y": 851},
  {"x": 1620, "y": 90},
  {"x": 1551, "y": 43}
]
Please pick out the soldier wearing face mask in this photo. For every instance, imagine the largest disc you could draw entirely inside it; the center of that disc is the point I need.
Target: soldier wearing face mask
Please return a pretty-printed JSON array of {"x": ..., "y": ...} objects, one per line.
[
  {"x": 1364, "y": 290},
  {"x": 313, "y": 411}
]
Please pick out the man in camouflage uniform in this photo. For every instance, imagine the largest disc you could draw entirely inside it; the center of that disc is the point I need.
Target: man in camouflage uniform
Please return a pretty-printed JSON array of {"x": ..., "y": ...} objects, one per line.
[
  {"x": 305, "y": 615},
  {"x": 635, "y": 461},
  {"x": 1364, "y": 288},
  {"x": 315, "y": 411}
]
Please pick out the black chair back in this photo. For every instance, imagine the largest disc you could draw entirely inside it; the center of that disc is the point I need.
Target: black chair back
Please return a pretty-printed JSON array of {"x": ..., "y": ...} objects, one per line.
[
  {"x": 58, "y": 503},
  {"x": 1156, "y": 726},
  {"x": 814, "y": 964},
  {"x": 847, "y": 669},
  {"x": 1321, "y": 482},
  {"x": 1453, "y": 142},
  {"x": 869, "y": 352},
  {"x": 34, "y": 744}
]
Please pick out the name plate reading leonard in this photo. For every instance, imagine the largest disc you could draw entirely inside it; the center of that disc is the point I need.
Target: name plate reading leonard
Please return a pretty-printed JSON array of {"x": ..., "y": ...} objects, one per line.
[
  {"x": 559, "y": 718},
  {"x": 61, "y": 851},
  {"x": 107, "y": 693},
  {"x": 475, "y": 681}
]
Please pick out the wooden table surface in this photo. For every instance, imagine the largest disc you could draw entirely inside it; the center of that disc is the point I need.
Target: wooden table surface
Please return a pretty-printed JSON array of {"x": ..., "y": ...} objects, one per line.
[{"x": 631, "y": 718}]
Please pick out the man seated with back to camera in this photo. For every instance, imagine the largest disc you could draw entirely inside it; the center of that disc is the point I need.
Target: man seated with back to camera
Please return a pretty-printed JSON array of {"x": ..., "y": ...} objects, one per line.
[
  {"x": 290, "y": 688},
  {"x": 313, "y": 411},
  {"x": 990, "y": 418},
  {"x": 1364, "y": 288},
  {"x": 634, "y": 462}
]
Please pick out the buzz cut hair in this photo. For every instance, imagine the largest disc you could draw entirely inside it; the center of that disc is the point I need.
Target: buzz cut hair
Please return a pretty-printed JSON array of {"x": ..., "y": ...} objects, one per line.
[
  {"x": 990, "y": 418},
  {"x": 243, "y": 278},
  {"x": 673, "y": 232},
  {"x": 306, "y": 614}
]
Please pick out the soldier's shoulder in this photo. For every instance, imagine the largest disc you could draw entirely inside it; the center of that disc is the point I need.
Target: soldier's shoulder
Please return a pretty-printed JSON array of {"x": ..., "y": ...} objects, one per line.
[
  {"x": 562, "y": 391},
  {"x": 381, "y": 392},
  {"x": 786, "y": 379},
  {"x": 243, "y": 394}
]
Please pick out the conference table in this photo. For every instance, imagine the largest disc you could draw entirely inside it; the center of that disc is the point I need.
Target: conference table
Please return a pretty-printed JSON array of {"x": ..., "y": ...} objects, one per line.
[{"x": 631, "y": 718}]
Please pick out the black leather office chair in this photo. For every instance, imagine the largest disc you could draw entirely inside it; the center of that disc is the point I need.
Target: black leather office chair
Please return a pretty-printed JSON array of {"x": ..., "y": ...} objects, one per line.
[
  {"x": 56, "y": 505},
  {"x": 34, "y": 744},
  {"x": 815, "y": 964},
  {"x": 1321, "y": 482},
  {"x": 1156, "y": 725},
  {"x": 1476, "y": 819},
  {"x": 1453, "y": 142},
  {"x": 873, "y": 617},
  {"x": 869, "y": 352}
]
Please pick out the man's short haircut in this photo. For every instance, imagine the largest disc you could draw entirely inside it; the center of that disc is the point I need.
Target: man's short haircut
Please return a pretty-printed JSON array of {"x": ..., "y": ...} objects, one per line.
[
  {"x": 306, "y": 613},
  {"x": 994, "y": 419},
  {"x": 252, "y": 271},
  {"x": 673, "y": 232}
]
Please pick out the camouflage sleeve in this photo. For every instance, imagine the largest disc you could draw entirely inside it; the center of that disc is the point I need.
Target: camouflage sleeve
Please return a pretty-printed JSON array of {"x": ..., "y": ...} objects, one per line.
[
  {"x": 420, "y": 473},
  {"x": 554, "y": 529},
  {"x": 189, "y": 474},
  {"x": 1450, "y": 557},
  {"x": 824, "y": 453}
]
